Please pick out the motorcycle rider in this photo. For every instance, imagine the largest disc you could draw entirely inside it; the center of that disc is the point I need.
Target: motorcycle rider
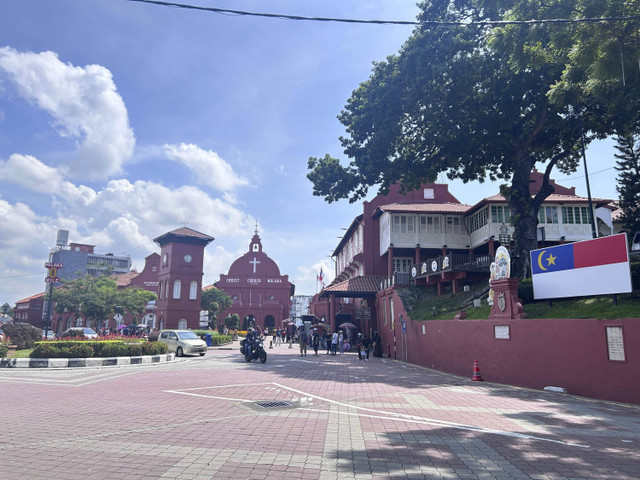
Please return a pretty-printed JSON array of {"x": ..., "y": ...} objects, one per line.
[{"x": 250, "y": 341}]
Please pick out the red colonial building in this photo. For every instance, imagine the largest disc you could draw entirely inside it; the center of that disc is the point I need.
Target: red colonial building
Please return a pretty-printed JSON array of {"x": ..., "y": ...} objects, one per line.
[
  {"x": 261, "y": 296},
  {"x": 180, "y": 278}
]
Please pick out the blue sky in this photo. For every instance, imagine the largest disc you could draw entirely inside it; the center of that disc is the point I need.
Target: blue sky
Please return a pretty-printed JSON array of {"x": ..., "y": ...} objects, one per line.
[{"x": 120, "y": 120}]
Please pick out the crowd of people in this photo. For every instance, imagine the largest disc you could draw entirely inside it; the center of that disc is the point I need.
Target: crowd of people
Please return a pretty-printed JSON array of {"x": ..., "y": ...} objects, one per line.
[{"x": 336, "y": 343}]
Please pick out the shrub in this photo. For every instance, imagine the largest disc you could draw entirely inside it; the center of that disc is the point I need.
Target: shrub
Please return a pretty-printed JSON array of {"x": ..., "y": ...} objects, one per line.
[
  {"x": 3, "y": 350},
  {"x": 525, "y": 291},
  {"x": 153, "y": 336},
  {"x": 45, "y": 350},
  {"x": 115, "y": 350},
  {"x": 23, "y": 335},
  {"x": 80, "y": 350},
  {"x": 220, "y": 339},
  {"x": 635, "y": 275},
  {"x": 154, "y": 348}
]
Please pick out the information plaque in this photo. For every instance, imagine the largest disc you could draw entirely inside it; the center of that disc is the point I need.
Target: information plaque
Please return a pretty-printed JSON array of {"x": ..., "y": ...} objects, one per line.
[
  {"x": 501, "y": 332},
  {"x": 615, "y": 344}
]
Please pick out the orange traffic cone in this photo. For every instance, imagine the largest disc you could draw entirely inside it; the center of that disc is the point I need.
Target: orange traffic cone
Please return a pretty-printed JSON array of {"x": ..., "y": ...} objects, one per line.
[{"x": 476, "y": 372}]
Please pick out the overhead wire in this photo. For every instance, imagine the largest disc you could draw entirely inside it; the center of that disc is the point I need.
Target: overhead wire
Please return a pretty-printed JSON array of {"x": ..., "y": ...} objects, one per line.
[{"x": 388, "y": 22}]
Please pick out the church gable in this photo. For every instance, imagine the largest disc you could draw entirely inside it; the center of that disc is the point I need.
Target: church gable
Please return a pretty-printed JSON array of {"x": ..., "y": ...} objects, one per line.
[{"x": 260, "y": 293}]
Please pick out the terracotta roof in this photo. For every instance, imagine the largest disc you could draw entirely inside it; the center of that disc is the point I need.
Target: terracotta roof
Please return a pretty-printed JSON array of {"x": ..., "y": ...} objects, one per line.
[
  {"x": 124, "y": 279},
  {"x": 553, "y": 198},
  {"x": 363, "y": 285},
  {"x": 616, "y": 211},
  {"x": 190, "y": 232},
  {"x": 184, "y": 235},
  {"x": 424, "y": 207},
  {"x": 32, "y": 297}
]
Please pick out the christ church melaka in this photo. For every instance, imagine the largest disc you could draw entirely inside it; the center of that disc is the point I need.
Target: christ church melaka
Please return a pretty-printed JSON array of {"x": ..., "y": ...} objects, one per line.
[{"x": 261, "y": 296}]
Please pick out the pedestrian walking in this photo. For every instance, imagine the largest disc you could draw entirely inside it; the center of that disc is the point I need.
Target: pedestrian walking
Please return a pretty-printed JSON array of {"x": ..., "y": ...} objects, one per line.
[
  {"x": 302, "y": 338},
  {"x": 315, "y": 339},
  {"x": 376, "y": 346},
  {"x": 274, "y": 337},
  {"x": 334, "y": 343},
  {"x": 359, "y": 346},
  {"x": 327, "y": 339},
  {"x": 366, "y": 343},
  {"x": 341, "y": 342}
]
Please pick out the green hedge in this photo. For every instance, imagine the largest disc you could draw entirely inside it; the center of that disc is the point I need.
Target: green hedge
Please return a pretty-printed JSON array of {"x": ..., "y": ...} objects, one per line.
[
  {"x": 3, "y": 350},
  {"x": 104, "y": 348},
  {"x": 220, "y": 339}
]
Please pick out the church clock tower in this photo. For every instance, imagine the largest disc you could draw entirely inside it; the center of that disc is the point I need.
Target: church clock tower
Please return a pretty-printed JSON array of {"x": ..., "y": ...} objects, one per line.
[{"x": 180, "y": 278}]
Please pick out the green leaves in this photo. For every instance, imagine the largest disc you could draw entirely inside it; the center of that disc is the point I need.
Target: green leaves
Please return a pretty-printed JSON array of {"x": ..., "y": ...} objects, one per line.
[
  {"x": 98, "y": 298},
  {"x": 493, "y": 102}
]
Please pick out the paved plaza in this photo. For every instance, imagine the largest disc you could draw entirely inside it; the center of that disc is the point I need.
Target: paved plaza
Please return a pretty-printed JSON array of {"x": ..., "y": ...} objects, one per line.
[{"x": 324, "y": 417}]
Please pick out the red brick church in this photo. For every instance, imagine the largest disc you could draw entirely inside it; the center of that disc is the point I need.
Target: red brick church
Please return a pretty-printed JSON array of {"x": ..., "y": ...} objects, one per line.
[{"x": 261, "y": 296}]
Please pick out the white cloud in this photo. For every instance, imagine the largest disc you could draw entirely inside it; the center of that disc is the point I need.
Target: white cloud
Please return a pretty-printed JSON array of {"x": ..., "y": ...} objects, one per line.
[
  {"x": 29, "y": 172},
  {"x": 84, "y": 103},
  {"x": 123, "y": 217},
  {"x": 209, "y": 168}
]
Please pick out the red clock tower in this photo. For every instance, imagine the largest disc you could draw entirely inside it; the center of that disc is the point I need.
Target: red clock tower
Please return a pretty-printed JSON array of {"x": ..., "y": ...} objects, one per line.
[{"x": 180, "y": 278}]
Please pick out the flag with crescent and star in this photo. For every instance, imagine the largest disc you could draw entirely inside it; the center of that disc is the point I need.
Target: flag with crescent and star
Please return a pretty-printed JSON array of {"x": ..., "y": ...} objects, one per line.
[{"x": 591, "y": 267}]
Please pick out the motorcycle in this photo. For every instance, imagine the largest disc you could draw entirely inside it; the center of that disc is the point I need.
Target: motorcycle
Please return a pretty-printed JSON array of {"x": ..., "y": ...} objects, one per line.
[{"x": 257, "y": 351}]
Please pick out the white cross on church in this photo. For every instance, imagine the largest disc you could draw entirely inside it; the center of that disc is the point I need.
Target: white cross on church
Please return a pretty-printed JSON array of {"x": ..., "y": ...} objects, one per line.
[{"x": 254, "y": 262}]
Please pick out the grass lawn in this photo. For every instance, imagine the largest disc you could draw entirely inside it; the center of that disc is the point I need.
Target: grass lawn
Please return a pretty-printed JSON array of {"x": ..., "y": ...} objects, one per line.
[
  {"x": 425, "y": 305},
  {"x": 20, "y": 353}
]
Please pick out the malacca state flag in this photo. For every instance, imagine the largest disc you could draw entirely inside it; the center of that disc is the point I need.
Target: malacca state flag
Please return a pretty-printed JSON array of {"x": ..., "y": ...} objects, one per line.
[
  {"x": 321, "y": 277},
  {"x": 591, "y": 267}
]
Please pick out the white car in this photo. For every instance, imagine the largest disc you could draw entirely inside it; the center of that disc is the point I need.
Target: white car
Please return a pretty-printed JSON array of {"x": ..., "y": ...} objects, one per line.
[
  {"x": 183, "y": 342},
  {"x": 85, "y": 332}
]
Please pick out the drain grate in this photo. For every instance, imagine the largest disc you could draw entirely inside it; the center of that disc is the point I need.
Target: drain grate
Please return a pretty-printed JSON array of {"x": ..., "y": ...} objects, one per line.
[{"x": 274, "y": 404}]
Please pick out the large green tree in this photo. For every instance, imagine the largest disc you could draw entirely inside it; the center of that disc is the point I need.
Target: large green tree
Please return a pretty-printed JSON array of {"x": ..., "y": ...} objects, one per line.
[
  {"x": 99, "y": 297},
  {"x": 628, "y": 166},
  {"x": 473, "y": 101},
  {"x": 214, "y": 301}
]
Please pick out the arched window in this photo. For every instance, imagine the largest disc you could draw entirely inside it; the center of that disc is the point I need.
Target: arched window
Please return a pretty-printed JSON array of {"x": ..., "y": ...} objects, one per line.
[
  {"x": 193, "y": 290},
  {"x": 176, "y": 289},
  {"x": 161, "y": 289},
  {"x": 182, "y": 324},
  {"x": 166, "y": 289}
]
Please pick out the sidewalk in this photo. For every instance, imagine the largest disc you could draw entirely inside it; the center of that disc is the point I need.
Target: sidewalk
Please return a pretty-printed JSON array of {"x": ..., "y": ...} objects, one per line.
[{"x": 314, "y": 417}]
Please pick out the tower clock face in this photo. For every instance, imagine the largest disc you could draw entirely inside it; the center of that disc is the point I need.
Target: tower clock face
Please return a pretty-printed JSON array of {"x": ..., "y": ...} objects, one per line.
[{"x": 188, "y": 258}]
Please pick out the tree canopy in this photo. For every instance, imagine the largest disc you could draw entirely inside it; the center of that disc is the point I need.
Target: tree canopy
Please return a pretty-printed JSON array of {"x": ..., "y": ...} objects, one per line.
[
  {"x": 98, "y": 298},
  {"x": 215, "y": 301},
  {"x": 480, "y": 102},
  {"x": 628, "y": 166}
]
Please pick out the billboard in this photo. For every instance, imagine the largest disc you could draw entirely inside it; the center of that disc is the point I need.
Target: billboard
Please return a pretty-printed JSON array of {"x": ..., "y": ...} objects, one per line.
[{"x": 591, "y": 267}]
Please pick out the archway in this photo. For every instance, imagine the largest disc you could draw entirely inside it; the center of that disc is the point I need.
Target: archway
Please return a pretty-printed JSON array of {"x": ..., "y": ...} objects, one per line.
[
  {"x": 248, "y": 321},
  {"x": 270, "y": 322},
  {"x": 182, "y": 324}
]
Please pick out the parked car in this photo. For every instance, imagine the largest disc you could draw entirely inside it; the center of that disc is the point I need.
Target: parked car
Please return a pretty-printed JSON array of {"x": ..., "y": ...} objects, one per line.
[
  {"x": 85, "y": 332},
  {"x": 183, "y": 342},
  {"x": 51, "y": 335}
]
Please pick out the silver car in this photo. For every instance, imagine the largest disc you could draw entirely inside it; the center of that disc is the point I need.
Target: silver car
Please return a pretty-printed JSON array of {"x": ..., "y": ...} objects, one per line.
[{"x": 183, "y": 342}]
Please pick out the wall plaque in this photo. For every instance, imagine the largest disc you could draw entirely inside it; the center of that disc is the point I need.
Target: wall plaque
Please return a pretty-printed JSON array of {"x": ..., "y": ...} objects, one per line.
[
  {"x": 501, "y": 332},
  {"x": 615, "y": 344}
]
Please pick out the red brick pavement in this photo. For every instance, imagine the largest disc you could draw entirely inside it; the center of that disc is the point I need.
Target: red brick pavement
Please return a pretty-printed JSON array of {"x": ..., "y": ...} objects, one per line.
[{"x": 196, "y": 419}]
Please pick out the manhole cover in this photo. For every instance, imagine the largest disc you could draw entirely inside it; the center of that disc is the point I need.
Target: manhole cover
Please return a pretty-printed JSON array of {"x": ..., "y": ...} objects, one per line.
[
  {"x": 276, "y": 404},
  {"x": 262, "y": 405}
]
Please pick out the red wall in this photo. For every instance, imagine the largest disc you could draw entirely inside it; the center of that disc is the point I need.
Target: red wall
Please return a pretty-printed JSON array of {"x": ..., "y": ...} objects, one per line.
[{"x": 569, "y": 353}]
